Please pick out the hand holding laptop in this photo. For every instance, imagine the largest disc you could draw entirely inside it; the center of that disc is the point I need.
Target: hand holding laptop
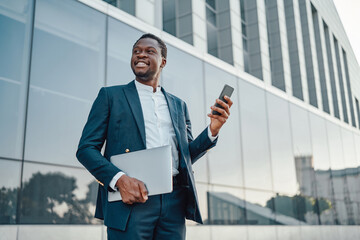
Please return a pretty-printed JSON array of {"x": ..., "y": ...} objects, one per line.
[
  {"x": 132, "y": 190},
  {"x": 148, "y": 172}
]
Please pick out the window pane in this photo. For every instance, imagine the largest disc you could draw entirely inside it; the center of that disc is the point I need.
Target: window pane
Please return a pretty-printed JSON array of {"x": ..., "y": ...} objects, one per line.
[
  {"x": 169, "y": 16},
  {"x": 9, "y": 187},
  {"x": 283, "y": 166},
  {"x": 57, "y": 195},
  {"x": 225, "y": 159},
  {"x": 259, "y": 208},
  {"x": 67, "y": 72},
  {"x": 226, "y": 206},
  {"x": 357, "y": 184},
  {"x": 254, "y": 131},
  {"x": 322, "y": 171},
  {"x": 15, "y": 29},
  {"x": 341, "y": 81},
  {"x": 189, "y": 86},
  {"x": 340, "y": 188},
  {"x": 352, "y": 177},
  {"x": 303, "y": 158},
  {"x": 202, "y": 190},
  {"x": 125, "y": 5},
  {"x": 119, "y": 52}
]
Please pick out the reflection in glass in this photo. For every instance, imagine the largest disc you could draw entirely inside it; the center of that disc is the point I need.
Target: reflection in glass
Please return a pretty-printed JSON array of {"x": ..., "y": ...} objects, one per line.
[
  {"x": 356, "y": 204},
  {"x": 225, "y": 209},
  {"x": 226, "y": 206},
  {"x": 15, "y": 29},
  {"x": 119, "y": 50},
  {"x": 201, "y": 190},
  {"x": 57, "y": 195},
  {"x": 321, "y": 166},
  {"x": 309, "y": 204},
  {"x": 9, "y": 187},
  {"x": 177, "y": 81},
  {"x": 340, "y": 186},
  {"x": 225, "y": 159},
  {"x": 283, "y": 167},
  {"x": 68, "y": 49},
  {"x": 254, "y": 131},
  {"x": 352, "y": 176},
  {"x": 259, "y": 208},
  {"x": 67, "y": 72}
]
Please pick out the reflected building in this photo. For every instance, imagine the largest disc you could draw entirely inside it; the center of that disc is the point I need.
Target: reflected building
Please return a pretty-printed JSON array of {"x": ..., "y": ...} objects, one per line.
[
  {"x": 226, "y": 209},
  {"x": 287, "y": 162},
  {"x": 334, "y": 186}
]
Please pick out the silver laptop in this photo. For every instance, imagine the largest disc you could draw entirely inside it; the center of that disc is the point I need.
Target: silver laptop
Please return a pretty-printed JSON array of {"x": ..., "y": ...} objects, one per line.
[{"x": 151, "y": 166}]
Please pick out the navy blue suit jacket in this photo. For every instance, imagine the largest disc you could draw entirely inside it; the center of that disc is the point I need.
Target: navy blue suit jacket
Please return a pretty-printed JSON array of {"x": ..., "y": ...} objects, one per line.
[{"x": 116, "y": 117}]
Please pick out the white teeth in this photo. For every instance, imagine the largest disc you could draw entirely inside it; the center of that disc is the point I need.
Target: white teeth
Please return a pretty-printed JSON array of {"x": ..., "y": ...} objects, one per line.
[{"x": 140, "y": 64}]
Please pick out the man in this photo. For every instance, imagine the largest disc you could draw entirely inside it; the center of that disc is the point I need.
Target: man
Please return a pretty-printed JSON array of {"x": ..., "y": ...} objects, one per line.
[{"x": 143, "y": 115}]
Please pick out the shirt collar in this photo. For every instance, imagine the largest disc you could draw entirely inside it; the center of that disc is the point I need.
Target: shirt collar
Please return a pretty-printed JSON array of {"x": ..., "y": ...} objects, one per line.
[{"x": 141, "y": 86}]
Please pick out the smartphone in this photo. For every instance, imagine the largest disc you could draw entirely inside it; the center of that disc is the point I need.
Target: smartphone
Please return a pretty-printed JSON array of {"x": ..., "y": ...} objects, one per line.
[{"x": 227, "y": 91}]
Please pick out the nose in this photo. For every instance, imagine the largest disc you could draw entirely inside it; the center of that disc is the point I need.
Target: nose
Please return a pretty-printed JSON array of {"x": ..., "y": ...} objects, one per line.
[{"x": 141, "y": 54}]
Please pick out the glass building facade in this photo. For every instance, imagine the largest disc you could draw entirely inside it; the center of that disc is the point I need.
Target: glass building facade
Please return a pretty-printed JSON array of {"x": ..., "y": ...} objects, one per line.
[{"x": 282, "y": 168}]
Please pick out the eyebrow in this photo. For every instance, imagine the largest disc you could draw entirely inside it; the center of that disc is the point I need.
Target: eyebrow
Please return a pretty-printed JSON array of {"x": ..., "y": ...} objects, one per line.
[{"x": 145, "y": 47}]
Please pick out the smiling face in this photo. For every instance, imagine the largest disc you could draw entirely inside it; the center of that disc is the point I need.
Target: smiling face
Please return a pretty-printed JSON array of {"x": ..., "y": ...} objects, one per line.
[{"x": 147, "y": 62}]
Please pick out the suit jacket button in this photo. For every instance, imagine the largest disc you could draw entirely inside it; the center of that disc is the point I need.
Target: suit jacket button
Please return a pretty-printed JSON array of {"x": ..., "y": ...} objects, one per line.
[
  {"x": 100, "y": 182},
  {"x": 127, "y": 150}
]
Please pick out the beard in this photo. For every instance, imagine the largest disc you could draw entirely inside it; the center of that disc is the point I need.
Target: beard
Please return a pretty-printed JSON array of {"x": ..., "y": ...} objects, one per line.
[{"x": 143, "y": 75}]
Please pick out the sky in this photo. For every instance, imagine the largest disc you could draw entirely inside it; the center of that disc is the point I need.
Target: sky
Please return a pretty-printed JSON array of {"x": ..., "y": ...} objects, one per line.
[{"x": 349, "y": 12}]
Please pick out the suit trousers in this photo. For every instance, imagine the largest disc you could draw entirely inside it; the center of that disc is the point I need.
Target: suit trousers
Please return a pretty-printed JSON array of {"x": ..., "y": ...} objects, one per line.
[{"x": 161, "y": 217}]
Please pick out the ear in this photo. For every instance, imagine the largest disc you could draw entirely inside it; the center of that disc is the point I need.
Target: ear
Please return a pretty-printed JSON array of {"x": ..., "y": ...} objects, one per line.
[{"x": 163, "y": 62}]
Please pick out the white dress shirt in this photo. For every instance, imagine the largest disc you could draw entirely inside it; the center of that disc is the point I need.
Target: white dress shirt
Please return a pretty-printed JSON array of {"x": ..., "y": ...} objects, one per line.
[{"x": 159, "y": 130}]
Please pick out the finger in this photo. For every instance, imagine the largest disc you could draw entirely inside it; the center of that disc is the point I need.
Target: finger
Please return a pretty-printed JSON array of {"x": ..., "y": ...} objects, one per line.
[
  {"x": 136, "y": 195},
  {"x": 217, "y": 117},
  {"x": 229, "y": 101},
  {"x": 221, "y": 111},
  {"x": 224, "y": 105},
  {"x": 143, "y": 191},
  {"x": 127, "y": 201}
]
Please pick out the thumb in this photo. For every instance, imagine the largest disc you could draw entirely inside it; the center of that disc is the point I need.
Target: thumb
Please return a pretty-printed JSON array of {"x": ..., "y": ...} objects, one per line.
[{"x": 143, "y": 190}]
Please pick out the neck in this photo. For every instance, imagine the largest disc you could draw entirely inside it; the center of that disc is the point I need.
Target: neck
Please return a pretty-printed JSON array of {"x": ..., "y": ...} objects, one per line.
[{"x": 150, "y": 82}]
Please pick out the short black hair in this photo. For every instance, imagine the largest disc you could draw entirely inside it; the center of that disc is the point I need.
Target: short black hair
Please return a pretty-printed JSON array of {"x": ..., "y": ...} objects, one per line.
[{"x": 161, "y": 43}]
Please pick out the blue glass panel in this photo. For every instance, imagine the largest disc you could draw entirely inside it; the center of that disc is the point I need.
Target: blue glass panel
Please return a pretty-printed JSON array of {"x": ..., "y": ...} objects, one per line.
[
  {"x": 226, "y": 205},
  {"x": 320, "y": 169},
  {"x": 57, "y": 195},
  {"x": 225, "y": 159},
  {"x": 9, "y": 187},
  {"x": 67, "y": 72},
  {"x": 119, "y": 52},
  {"x": 183, "y": 77},
  {"x": 254, "y": 131},
  {"x": 15, "y": 29},
  {"x": 283, "y": 165}
]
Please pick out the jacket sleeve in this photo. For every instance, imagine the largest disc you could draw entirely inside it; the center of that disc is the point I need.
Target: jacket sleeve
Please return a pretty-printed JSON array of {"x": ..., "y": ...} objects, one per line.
[
  {"x": 199, "y": 145},
  {"x": 93, "y": 138}
]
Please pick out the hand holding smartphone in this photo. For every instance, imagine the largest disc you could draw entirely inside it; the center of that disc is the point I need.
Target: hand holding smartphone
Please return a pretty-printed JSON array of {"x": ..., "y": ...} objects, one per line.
[{"x": 227, "y": 91}]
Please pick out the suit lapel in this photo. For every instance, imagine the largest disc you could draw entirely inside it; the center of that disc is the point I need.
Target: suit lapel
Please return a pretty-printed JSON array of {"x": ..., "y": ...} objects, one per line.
[
  {"x": 171, "y": 102},
  {"x": 174, "y": 115},
  {"x": 133, "y": 99}
]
